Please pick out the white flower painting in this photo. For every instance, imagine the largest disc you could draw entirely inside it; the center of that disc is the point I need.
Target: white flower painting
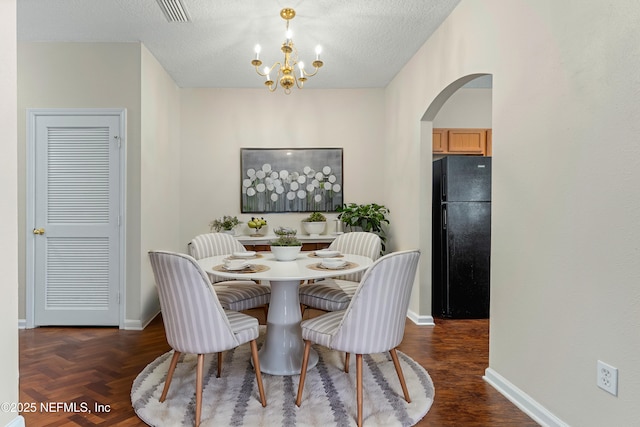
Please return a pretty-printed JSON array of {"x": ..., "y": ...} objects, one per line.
[{"x": 291, "y": 180}]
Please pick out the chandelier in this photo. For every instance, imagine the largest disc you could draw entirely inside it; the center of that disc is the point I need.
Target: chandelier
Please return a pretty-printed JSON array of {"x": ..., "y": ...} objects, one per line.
[{"x": 286, "y": 71}]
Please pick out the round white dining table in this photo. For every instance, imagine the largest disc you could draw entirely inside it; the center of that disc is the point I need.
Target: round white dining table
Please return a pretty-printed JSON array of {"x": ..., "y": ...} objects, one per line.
[{"x": 283, "y": 348}]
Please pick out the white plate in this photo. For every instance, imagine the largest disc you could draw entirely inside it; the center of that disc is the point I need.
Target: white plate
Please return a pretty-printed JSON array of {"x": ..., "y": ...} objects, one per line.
[
  {"x": 334, "y": 263},
  {"x": 323, "y": 253},
  {"x": 245, "y": 254},
  {"x": 333, "y": 266},
  {"x": 234, "y": 267}
]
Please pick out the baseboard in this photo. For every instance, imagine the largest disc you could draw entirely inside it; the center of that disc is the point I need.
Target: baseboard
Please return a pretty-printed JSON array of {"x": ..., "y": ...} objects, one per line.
[
  {"x": 133, "y": 325},
  {"x": 150, "y": 319},
  {"x": 138, "y": 325},
  {"x": 420, "y": 320},
  {"x": 522, "y": 400},
  {"x": 129, "y": 324},
  {"x": 16, "y": 422}
]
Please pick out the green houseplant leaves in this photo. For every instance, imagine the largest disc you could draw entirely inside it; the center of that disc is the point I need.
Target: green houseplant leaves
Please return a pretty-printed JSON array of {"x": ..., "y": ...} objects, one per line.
[{"x": 368, "y": 217}]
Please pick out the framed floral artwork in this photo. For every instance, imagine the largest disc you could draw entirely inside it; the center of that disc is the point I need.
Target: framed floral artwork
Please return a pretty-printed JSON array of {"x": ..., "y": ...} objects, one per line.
[{"x": 291, "y": 179}]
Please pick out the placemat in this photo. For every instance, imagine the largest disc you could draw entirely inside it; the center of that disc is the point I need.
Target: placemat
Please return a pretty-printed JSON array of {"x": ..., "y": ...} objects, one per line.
[
  {"x": 251, "y": 268},
  {"x": 319, "y": 266}
]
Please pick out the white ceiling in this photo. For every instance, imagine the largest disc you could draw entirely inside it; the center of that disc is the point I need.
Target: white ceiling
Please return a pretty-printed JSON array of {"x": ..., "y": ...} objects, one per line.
[{"x": 365, "y": 42}]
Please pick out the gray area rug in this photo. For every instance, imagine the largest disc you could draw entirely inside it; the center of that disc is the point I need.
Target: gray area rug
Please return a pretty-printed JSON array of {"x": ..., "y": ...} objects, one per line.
[{"x": 329, "y": 395}]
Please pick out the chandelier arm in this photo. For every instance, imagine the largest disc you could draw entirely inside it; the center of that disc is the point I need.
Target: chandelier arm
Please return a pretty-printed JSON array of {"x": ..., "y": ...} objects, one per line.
[
  {"x": 311, "y": 74},
  {"x": 272, "y": 85},
  {"x": 277, "y": 64}
]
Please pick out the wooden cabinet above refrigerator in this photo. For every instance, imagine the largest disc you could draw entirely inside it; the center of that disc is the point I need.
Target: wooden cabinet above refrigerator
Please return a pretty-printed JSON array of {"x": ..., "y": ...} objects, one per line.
[{"x": 462, "y": 141}]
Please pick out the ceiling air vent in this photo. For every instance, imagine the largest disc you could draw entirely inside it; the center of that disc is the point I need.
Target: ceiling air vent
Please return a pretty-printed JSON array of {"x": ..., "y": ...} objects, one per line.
[{"x": 174, "y": 10}]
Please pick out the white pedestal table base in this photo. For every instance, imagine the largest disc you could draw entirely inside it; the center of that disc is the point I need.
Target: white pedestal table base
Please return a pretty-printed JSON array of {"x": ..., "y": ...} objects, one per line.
[{"x": 283, "y": 348}]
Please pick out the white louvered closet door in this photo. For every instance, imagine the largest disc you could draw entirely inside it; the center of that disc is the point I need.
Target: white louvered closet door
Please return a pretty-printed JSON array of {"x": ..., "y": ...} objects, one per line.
[{"x": 76, "y": 277}]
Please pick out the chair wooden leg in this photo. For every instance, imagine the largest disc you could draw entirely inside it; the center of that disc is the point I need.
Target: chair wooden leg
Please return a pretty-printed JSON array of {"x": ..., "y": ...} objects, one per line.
[
  {"x": 265, "y": 308},
  {"x": 396, "y": 363},
  {"x": 359, "y": 387},
  {"x": 256, "y": 365},
  {"x": 346, "y": 362},
  {"x": 172, "y": 368},
  {"x": 303, "y": 371},
  {"x": 302, "y": 309},
  {"x": 199, "y": 374},
  {"x": 219, "y": 365}
]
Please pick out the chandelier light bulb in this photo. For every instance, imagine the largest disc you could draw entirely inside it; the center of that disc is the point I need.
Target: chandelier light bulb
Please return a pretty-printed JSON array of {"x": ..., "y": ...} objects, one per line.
[
  {"x": 318, "y": 52},
  {"x": 257, "y": 50},
  {"x": 301, "y": 66},
  {"x": 266, "y": 72}
]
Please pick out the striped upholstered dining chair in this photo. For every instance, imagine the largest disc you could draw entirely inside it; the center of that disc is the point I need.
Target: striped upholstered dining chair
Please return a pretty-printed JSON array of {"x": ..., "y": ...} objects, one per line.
[
  {"x": 194, "y": 320},
  {"x": 334, "y": 294},
  {"x": 237, "y": 295},
  {"x": 373, "y": 322}
]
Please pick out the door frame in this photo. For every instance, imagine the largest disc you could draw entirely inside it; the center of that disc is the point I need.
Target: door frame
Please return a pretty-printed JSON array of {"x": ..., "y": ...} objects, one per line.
[{"x": 32, "y": 114}]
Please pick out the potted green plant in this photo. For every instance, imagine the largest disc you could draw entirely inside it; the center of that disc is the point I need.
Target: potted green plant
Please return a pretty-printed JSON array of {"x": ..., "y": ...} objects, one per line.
[
  {"x": 368, "y": 217},
  {"x": 287, "y": 246},
  {"x": 225, "y": 224},
  {"x": 314, "y": 224}
]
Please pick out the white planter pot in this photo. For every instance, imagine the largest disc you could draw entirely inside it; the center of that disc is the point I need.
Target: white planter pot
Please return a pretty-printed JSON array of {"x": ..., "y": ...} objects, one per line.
[
  {"x": 285, "y": 253},
  {"x": 314, "y": 229}
]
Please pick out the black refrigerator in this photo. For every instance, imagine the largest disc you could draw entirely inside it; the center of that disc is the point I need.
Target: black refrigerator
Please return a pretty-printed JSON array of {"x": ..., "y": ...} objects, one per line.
[{"x": 461, "y": 237}]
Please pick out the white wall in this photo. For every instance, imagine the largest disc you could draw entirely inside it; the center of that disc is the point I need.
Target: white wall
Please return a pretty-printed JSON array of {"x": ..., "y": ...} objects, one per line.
[
  {"x": 216, "y": 123},
  {"x": 8, "y": 214},
  {"x": 566, "y": 199},
  {"x": 159, "y": 172},
  {"x": 466, "y": 108}
]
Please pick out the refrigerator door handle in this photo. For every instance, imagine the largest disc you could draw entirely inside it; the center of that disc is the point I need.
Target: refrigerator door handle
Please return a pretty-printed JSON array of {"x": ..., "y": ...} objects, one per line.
[
  {"x": 444, "y": 217},
  {"x": 444, "y": 186}
]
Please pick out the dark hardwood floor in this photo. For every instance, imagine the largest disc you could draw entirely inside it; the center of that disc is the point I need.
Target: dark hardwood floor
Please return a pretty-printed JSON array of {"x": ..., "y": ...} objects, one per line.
[{"x": 96, "y": 366}]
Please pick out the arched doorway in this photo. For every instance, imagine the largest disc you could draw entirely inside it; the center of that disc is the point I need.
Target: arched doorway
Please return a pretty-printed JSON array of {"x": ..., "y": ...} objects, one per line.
[{"x": 466, "y": 111}]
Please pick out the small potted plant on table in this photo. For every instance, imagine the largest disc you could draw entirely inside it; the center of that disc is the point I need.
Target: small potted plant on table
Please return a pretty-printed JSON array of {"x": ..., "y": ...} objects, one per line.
[
  {"x": 226, "y": 224},
  {"x": 287, "y": 246},
  {"x": 314, "y": 224}
]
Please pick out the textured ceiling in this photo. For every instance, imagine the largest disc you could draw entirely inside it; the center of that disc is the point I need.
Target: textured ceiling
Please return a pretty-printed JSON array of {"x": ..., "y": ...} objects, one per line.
[{"x": 365, "y": 42}]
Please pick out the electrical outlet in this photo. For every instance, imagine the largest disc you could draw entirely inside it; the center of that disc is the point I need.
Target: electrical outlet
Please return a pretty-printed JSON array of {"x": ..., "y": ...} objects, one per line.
[{"x": 607, "y": 378}]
